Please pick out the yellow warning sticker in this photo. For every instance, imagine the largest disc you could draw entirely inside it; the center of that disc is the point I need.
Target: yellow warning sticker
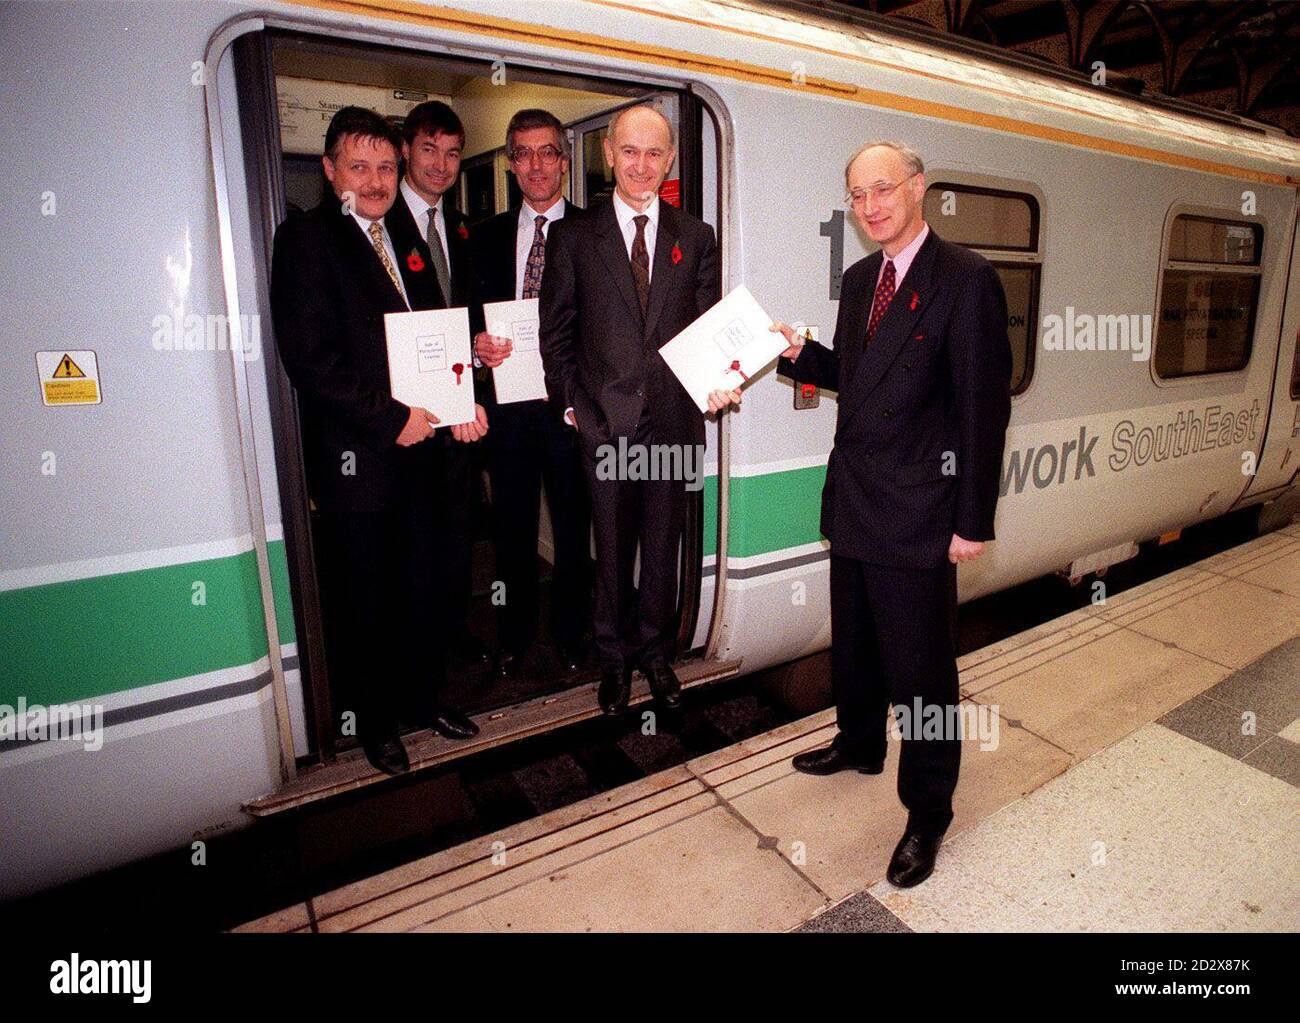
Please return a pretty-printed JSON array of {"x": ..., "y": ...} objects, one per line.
[{"x": 68, "y": 378}]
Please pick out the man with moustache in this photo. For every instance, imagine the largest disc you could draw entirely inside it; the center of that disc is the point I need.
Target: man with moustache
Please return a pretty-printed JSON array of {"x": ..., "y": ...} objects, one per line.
[
  {"x": 529, "y": 441},
  {"x": 377, "y": 478},
  {"x": 922, "y": 365},
  {"x": 619, "y": 282},
  {"x": 432, "y": 140}
]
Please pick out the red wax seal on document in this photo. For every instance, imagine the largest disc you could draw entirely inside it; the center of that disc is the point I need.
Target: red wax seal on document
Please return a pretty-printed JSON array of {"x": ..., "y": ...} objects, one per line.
[
  {"x": 735, "y": 367},
  {"x": 458, "y": 368}
]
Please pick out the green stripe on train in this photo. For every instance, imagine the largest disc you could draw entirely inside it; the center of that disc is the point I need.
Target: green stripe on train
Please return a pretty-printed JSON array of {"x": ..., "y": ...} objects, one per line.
[
  {"x": 90, "y": 637},
  {"x": 769, "y": 513}
]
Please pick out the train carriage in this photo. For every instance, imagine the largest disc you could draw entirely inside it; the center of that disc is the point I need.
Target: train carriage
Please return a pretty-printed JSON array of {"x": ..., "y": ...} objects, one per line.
[{"x": 156, "y": 536}]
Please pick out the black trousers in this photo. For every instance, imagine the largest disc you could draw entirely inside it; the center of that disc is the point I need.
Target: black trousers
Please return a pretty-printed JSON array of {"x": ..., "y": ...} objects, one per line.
[
  {"x": 634, "y": 624},
  {"x": 528, "y": 444},
  {"x": 894, "y": 640},
  {"x": 456, "y": 549},
  {"x": 385, "y": 621}
]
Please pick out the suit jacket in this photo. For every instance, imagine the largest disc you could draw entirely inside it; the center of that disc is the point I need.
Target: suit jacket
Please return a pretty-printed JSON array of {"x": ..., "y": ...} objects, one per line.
[
  {"x": 460, "y": 256},
  {"x": 934, "y": 380},
  {"x": 329, "y": 294},
  {"x": 601, "y": 358},
  {"x": 493, "y": 243}
]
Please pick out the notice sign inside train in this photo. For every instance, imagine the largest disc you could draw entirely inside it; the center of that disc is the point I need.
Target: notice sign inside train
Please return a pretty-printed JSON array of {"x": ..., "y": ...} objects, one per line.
[{"x": 69, "y": 378}]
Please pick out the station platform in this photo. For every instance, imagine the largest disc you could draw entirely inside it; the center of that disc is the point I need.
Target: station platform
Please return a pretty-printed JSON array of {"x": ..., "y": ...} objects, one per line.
[{"x": 1144, "y": 777}]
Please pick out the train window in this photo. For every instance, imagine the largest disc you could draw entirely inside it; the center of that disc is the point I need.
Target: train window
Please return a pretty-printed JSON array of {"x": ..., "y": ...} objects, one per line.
[
  {"x": 1020, "y": 282},
  {"x": 1207, "y": 240},
  {"x": 983, "y": 218},
  {"x": 1208, "y": 296},
  {"x": 997, "y": 223}
]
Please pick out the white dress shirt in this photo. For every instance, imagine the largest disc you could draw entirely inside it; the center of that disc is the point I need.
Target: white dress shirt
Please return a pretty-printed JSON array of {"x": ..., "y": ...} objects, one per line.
[
  {"x": 388, "y": 247},
  {"x": 421, "y": 211},
  {"x": 625, "y": 213},
  {"x": 903, "y": 261},
  {"x": 524, "y": 236}
]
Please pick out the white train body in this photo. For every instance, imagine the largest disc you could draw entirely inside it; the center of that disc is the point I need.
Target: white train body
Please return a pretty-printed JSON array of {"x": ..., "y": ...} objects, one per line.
[{"x": 142, "y": 535}]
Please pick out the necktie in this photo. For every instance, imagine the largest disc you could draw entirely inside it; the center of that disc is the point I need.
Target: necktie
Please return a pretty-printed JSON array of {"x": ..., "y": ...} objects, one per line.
[
  {"x": 884, "y": 295},
  {"x": 439, "y": 256},
  {"x": 377, "y": 240},
  {"x": 641, "y": 262},
  {"x": 536, "y": 260}
]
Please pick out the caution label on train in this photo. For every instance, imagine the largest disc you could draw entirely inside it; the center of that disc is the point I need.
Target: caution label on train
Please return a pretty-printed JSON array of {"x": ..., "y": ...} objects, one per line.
[{"x": 69, "y": 378}]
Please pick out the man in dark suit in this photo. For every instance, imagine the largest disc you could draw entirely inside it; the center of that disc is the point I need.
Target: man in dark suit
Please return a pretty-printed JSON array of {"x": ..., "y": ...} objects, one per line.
[
  {"x": 922, "y": 366},
  {"x": 378, "y": 480},
  {"x": 432, "y": 140},
  {"x": 529, "y": 441},
  {"x": 620, "y": 281}
]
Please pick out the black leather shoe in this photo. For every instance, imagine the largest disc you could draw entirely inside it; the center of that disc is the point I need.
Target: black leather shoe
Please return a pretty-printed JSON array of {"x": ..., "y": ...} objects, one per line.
[
  {"x": 914, "y": 856},
  {"x": 468, "y": 648},
  {"x": 452, "y": 724},
  {"x": 664, "y": 684},
  {"x": 830, "y": 759},
  {"x": 615, "y": 689},
  {"x": 387, "y": 755}
]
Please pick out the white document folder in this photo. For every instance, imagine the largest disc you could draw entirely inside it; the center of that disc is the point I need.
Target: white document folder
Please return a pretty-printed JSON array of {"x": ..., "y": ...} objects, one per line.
[
  {"x": 723, "y": 348},
  {"x": 520, "y": 377},
  {"x": 429, "y": 362}
]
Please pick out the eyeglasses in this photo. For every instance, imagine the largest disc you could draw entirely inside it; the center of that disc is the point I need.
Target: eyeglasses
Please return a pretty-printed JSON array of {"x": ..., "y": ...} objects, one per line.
[
  {"x": 877, "y": 192},
  {"x": 549, "y": 155}
]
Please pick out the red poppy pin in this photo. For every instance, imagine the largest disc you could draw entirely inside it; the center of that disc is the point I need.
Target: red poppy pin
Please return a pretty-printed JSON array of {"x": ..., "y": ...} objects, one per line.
[
  {"x": 414, "y": 262},
  {"x": 677, "y": 254},
  {"x": 916, "y": 299},
  {"x": 463, "y": 231}
]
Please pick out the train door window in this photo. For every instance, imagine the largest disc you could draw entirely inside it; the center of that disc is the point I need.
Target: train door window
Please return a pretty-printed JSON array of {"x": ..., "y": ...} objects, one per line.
[
  {"x": 593, "y": 179},
  {"x": 596, "y": 178},
  {"x": 1003, "y": 226},
  {"x": 1209, "y": 294},
  {"x": 478, "y": 178}
]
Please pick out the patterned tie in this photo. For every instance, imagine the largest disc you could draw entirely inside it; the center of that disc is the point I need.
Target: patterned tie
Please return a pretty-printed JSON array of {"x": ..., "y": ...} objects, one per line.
[
  {"x": 439, "y": 256},
  {"x": 884, "y": 295},
  {"x": 536, "y": 260},
  {"x": 641, "y": 262},
  {"x": 377, "y": 240}
]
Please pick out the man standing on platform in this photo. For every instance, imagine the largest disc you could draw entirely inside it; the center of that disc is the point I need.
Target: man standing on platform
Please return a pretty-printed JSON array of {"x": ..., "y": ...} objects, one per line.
[
  {"x": 922, "y": 365},
  {"x": 529, "y": 441},
  {"x": 620, "y": 281}
]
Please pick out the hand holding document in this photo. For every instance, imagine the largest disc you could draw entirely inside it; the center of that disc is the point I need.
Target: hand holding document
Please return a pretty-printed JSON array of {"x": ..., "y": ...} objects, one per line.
[
  {"x": 429, "y": 363},
  {"x": 520, "y": 377},
  {"x": 722, "y": 349}
]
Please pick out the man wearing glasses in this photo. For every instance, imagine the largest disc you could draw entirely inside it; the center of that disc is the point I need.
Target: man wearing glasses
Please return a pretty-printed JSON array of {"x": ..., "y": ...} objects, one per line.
[
  {"x": 528, "y": 442},
  {"x": 922, "y": 366}
]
